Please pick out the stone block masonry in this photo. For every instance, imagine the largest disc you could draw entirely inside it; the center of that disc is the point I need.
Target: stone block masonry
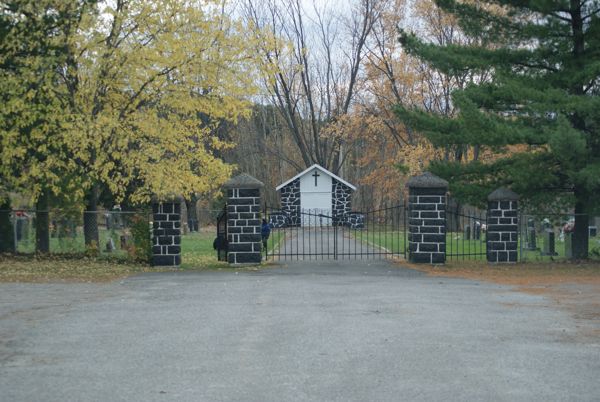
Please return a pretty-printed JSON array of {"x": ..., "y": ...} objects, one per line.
[
  {"x": 427, "y": 219},
  {"x": 166, "y": 233},
  {"x": 243, "y": 220},
  {"x": 502, "y": 226},
  {"x": 290, "y": 202},
  {"x": 341, "y": 199}
]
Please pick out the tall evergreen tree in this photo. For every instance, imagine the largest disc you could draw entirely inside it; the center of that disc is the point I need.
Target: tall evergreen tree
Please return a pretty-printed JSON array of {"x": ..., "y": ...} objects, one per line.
[{"x": 540, "y": 112}]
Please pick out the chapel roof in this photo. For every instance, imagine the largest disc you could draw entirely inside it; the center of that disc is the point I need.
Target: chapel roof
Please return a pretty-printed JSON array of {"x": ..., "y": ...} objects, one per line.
[{"x": 323, "y": 170}]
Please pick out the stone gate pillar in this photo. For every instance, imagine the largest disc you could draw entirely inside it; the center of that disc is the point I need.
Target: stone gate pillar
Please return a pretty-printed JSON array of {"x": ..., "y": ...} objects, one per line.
[
  {"x": 427, "y": 219},
  {"x": 243, "y": 220},
  {"x": 502, "y": 226},
  {"x": 166, "y": 232}
]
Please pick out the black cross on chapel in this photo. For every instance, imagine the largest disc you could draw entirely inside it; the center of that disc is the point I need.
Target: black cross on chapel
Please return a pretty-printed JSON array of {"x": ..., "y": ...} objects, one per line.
[{"x": 315, "y": 176}]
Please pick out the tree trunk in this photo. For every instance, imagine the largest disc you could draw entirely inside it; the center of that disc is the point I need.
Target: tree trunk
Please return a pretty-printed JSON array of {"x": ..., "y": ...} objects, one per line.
[
  {"x": 7, "y": 235},
  {"x": 42, "y": 224},
  {"x": 191, "y": 213},
  {"x": 580, "y": 245},
  {"x": 90, "y": 219}
]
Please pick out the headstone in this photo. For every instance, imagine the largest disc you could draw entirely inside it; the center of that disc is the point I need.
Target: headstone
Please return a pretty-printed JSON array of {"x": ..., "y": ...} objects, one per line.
[
  {"x": 108, "y": 218},
  {"x": 125, "y": 241},
  {"x": 546, "y": 224},
  {"x": 531, "y": 235},
  {"x": 117, "y": 218},
  {"x": 568, "y": 245},
  {"x": 21, "y": 226},
  {"x": 54, "y": 229},
  {"x": 185, "y": 229},
  {"x": 549, "y": 247},
  {"x": 467, "y": 232},
  {"x": 593, "y": 231},
  {"x": 476, "y": 230}
]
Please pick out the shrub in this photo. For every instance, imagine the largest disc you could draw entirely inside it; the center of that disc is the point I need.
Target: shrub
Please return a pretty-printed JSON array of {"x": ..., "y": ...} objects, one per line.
[
  {"x": 142, "y": 238},
  {"x": 6, "y": 229}
]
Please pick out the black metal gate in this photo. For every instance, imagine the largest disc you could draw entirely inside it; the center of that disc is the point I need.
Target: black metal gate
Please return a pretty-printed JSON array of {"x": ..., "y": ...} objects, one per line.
[
  {"x": 466, "y": 234},
  {"x": 221, "y": 240},
  {"x": 316, "y": 234}
]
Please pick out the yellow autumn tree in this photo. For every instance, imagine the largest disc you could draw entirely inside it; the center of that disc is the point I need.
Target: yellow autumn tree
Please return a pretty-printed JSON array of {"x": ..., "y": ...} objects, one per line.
[
  {"x": 35, "y": 159},
  {"x": 149, "y": 81}
]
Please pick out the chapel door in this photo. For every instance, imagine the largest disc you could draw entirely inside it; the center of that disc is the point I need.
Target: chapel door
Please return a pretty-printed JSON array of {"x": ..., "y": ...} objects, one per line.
[
  {"x": 314, "y": 209},
  {"x": 315, "y": 198}
]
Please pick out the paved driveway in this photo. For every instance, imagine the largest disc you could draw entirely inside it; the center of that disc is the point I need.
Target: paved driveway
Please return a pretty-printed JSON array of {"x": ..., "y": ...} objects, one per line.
[
  {"x": 323, "y": 243},
  {"x": 335, "y": 331}
]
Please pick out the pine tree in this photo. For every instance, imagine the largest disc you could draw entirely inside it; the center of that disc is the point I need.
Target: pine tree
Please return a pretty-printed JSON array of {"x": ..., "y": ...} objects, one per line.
[{"x": 540, "y": 111}]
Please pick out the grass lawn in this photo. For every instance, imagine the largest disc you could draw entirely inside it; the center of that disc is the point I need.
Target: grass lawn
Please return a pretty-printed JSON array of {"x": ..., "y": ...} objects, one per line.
[
  {"x": 457, "y": 248},
  {"x": 394, "y": 241},
  {"x": 275, "y": 240},
  {"x": 76, "y": 244},
  {"x": 197, "y": 251}
]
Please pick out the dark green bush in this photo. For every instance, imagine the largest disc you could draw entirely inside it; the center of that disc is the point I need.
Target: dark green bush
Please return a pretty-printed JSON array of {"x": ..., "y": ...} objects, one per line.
[
  {"x": 142, "y": 238},
  {"x": 7, "y": 238}
]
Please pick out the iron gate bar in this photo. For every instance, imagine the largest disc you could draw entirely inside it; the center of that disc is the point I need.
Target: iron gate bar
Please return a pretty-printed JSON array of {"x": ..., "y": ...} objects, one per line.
[
  {"x": 465, "y": 235},
  {"x": 379, "y": 233}
]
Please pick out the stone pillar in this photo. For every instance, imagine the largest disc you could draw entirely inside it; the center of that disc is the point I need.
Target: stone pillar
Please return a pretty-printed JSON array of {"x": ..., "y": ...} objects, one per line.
[
  {"x": 243, "y": 220},
  {"x": 502, "y": 226},
  {"x": 166, "y": 232},
  {"x": 427, "y": 219}
]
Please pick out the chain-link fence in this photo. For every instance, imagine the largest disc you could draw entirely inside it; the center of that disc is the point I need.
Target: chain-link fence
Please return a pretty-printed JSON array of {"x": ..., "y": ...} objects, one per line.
[
  {"x": 549, "y": 237},
  {"x": 110, "y": 233}
]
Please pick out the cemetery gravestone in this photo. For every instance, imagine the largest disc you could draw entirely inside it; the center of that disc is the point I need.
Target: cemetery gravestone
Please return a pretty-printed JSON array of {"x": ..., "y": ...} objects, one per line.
[
  {"x": 549, "y": 247},
  {"x": 476, "y": 230},
  {"x": 531, "y": 235}
]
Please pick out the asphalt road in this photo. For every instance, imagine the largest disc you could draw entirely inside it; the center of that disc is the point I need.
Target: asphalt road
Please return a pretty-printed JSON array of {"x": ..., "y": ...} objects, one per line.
[{"x": 303, "y": 332}]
